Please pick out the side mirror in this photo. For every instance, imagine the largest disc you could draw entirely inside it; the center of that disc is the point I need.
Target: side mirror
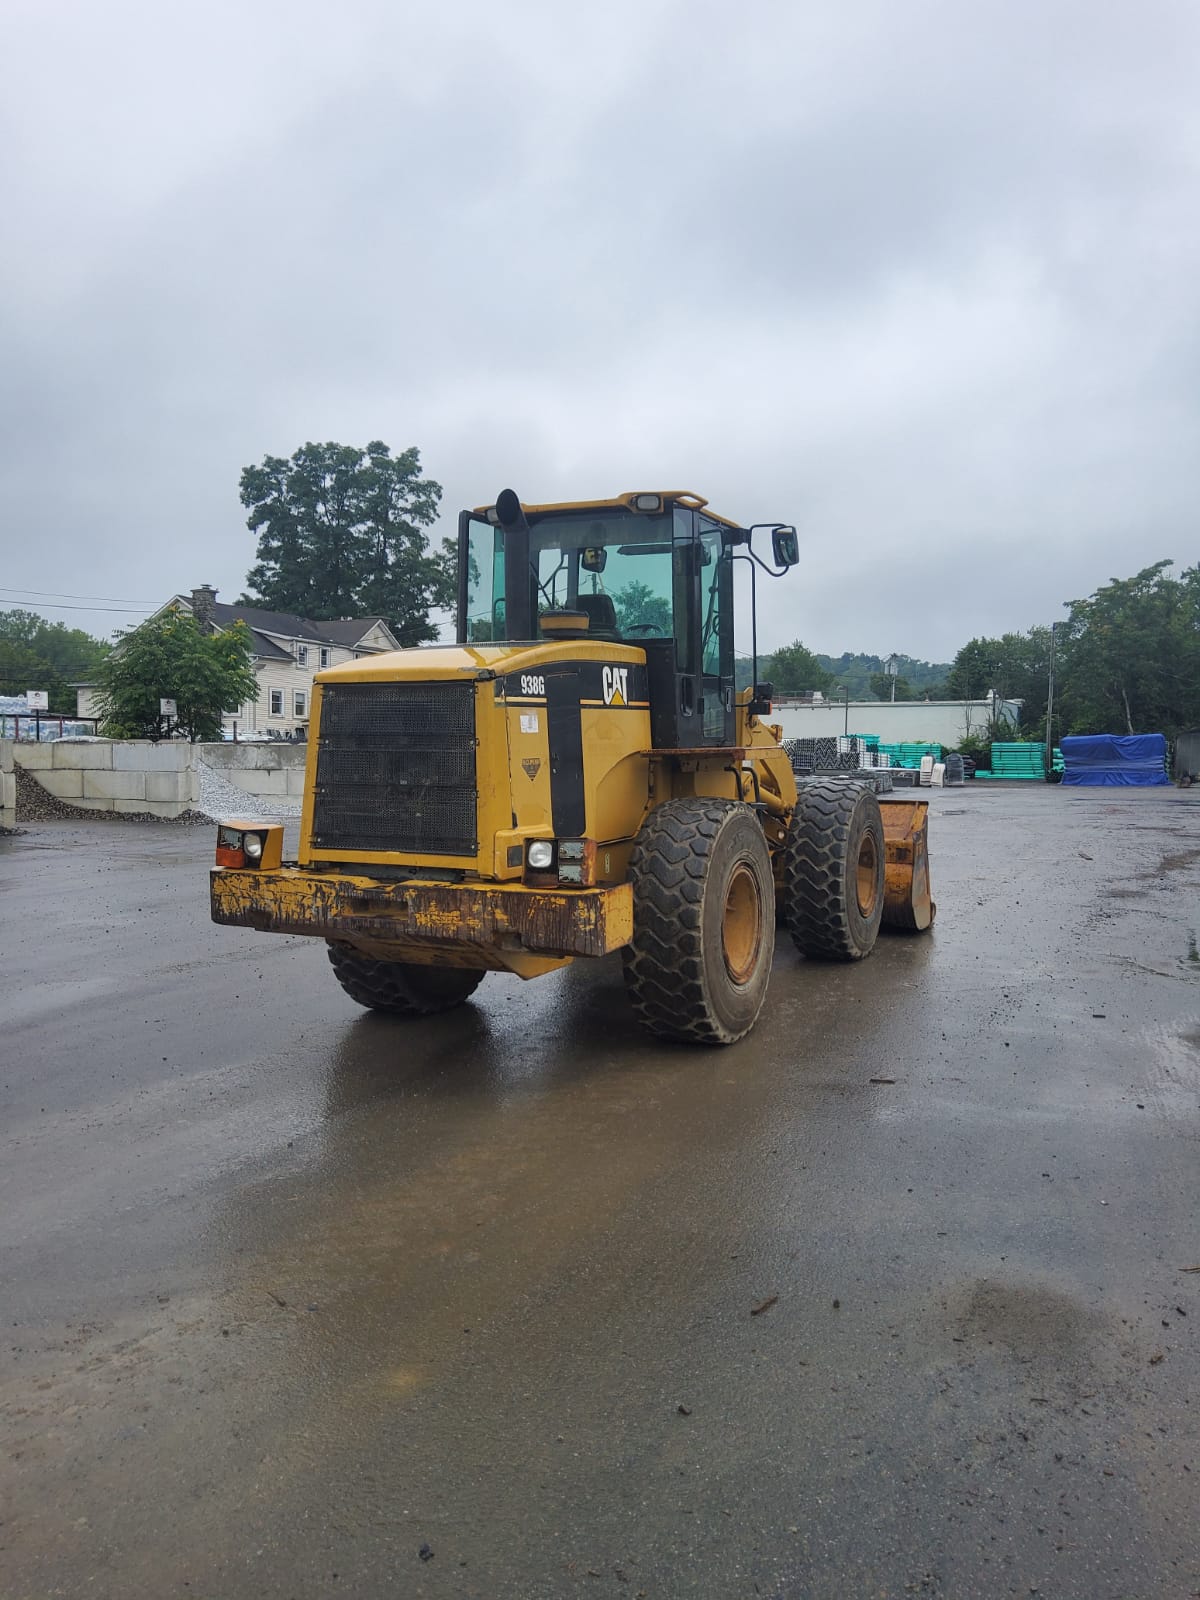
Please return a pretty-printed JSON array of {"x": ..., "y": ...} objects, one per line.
[{"x": 785, "y": 547}]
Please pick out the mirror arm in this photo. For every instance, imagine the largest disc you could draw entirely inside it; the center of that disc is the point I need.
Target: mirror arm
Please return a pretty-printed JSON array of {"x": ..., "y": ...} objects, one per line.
[{"x": 771, "y": 572}]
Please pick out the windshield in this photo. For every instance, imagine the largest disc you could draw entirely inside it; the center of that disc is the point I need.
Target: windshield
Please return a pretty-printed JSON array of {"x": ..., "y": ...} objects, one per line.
[
  {"x": 624, "y": 570},
  {"x": 616, "y": 567}
]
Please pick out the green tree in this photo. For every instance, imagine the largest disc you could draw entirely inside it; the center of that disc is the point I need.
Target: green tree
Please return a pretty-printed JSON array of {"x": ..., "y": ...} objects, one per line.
[
  {"x": 172, "y": 658},
  {"x": 857, "y": 672},
  {"x": 1016, "y": 666},
  {"x": 637, "y": 603},
  {"x": 853, "y": 672},
  {"x": 795, "y": 670},
  {"x": 881, "y": 685},
  {"x": 36, "y": 654},
  {"x": 1130, "y": 661},
  {"x": 22, "y": 668},
  {"x": 339, "y": 535}
]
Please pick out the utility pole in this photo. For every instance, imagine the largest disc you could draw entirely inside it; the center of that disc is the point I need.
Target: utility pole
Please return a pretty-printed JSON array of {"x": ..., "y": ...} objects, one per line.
[
  {"x": 892, "y": 667},
  {"x": 1050, "y": 706}
]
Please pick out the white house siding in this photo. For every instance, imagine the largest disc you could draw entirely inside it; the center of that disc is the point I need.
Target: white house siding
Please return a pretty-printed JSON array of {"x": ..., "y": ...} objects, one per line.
[
  {"x": 373, "y": 640},
  {"x": 288, "y": 677}
]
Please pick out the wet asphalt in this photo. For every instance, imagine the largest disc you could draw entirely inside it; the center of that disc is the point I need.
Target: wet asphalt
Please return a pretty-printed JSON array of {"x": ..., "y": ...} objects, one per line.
[{"x": 889, "y": 1299}]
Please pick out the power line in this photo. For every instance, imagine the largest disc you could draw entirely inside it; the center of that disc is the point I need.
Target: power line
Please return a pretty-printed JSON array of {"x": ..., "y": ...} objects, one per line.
[
  {"x": 62, "y": 594},
  {"x": 57, "y": 605}
]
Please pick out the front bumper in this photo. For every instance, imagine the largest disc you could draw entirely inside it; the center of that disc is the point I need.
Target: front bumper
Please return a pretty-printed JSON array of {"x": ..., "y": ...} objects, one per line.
[{"x": 418, "y": 919}]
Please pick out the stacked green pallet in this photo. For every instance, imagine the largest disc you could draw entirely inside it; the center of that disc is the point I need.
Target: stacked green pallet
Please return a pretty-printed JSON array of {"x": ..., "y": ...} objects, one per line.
[
  {"x": 1023, "y": 761},
  {"x": 1057, "y": 758},
  {"x": 909, "y": 755}
]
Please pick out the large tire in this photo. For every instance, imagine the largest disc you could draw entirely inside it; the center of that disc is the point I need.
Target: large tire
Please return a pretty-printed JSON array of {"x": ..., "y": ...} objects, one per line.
[
  {"x": 832, "y": 877},
  {"x": 703, "y": 921},
  {"x": 400, "y": 987}
]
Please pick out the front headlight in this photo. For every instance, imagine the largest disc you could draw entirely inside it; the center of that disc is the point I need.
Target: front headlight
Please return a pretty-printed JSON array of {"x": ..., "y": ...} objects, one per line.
[
  {"x": 244, "y": 844},
  {"x": 540, "y": 854}
]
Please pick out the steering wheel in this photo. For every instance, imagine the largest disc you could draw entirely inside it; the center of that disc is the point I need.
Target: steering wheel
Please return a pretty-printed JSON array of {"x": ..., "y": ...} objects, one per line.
[{"x": 648, "y": 628}]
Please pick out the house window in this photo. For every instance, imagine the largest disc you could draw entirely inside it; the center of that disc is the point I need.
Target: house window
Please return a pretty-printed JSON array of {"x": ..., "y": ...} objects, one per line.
[
  {"x": 299, "y": 700},
  {"x": 276, "y": 702},
  {"x": 302, "y": 654},
  {"x": 324, "y": 657}
]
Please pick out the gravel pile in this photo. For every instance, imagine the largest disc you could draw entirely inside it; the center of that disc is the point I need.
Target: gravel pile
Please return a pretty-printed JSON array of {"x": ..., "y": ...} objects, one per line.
[
  {"x": 221, "y": 798},
  {"x": 35, "y": 804},
  {"x": 218, "y": 799}
]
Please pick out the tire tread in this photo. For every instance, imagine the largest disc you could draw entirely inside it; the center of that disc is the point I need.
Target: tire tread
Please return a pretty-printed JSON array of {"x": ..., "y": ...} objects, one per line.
[
  {"x": 664, "y": 965},
  {"x": 816, "y": 877},
  {"x": 398, "y": 987}
]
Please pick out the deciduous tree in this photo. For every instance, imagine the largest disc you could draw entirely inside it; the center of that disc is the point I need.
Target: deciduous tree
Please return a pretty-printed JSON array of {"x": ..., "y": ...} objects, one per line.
[
  {"x": 1016, "y": 666},
  {"x": 795, "y": 670},
  {"x": 339, "y": 535},
  {"x": 1131, "y": 655},
  {"x": 638, "y": 604},
  {"x": 172, "y": 658},
  {"x": 36, "y": 654}
]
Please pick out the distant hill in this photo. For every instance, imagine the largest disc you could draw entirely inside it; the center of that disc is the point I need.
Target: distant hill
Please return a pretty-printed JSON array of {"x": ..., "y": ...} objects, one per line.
[{"x": 854, "y": 673}]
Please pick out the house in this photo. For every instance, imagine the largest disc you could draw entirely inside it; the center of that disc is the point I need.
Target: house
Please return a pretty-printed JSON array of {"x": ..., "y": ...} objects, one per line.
[{"x": 288, "y": 653}]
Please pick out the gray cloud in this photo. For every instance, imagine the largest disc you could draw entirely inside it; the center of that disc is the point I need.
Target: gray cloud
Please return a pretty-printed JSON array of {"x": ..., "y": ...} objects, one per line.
[{"x": 920, "y": 278}]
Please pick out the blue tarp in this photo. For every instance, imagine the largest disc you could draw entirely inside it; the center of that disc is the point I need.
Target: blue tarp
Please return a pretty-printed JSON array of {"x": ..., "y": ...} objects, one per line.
[{"x": 1110, "y": 758}]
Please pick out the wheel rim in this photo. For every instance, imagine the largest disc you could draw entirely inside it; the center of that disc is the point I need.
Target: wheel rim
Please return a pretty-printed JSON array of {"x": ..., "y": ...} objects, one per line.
[
  {"x": 741, "y": 925},
  {"x": 866, "y": 877}
]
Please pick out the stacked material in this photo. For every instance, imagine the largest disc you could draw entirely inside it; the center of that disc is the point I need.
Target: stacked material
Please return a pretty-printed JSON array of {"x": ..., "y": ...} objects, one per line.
[
  {"x": 1108, "y": 759},
  {"x": 1018, "y": 759},
  {"x": 847, "y": 756},
  {"x": 846, "y": 753},
  {"x": 910, "y": 755}
]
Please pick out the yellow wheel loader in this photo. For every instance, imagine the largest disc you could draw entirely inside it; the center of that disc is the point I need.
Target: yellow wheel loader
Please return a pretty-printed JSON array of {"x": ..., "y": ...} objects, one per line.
[{"x": 578, "y": 775}]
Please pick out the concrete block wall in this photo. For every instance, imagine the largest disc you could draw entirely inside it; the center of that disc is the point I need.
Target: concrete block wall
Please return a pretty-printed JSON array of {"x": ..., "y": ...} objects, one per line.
[
  {"x": 8, "y": 786},
  {"x": 275, "y": 769},
  {"x": 134, "y": 777}
]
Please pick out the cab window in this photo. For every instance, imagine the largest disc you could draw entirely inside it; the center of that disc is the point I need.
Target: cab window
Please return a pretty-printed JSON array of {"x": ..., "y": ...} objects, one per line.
[{"x": 485, "y": 582}]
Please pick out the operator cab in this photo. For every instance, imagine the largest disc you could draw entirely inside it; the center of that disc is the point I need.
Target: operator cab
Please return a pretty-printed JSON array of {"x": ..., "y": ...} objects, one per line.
[{"x": 651, "y": 570}]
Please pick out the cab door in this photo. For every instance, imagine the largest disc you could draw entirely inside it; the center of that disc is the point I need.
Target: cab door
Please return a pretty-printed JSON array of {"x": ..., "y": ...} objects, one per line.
[{"x": 716, "y": 635}]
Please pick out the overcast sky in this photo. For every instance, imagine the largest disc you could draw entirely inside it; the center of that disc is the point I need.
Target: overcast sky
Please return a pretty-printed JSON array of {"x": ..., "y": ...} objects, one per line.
[{"x": 923, "y": 278}]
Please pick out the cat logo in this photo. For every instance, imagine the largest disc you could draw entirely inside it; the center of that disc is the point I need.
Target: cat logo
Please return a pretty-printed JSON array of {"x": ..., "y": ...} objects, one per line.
[{"x": 615, "y": 681}]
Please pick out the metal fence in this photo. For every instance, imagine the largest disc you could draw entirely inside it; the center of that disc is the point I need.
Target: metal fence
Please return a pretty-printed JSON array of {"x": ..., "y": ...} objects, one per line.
[{"x": 43, "y": 725}]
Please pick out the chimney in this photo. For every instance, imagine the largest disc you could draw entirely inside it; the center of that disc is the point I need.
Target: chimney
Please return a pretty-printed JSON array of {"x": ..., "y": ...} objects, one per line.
[{"x": 204, "y": 601}]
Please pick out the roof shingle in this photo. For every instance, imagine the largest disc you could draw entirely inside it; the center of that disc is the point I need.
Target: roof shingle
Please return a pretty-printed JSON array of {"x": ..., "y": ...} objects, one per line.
[{"x": 345, "y": 631}]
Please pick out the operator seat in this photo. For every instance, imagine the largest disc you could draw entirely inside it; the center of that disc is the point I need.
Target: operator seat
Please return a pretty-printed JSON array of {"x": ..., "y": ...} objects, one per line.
[{"x": 602, "y": 616}]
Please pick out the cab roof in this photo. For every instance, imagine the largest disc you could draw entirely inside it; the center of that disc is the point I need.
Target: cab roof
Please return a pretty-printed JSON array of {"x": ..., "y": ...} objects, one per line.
[{"x": 679, "y": 497}]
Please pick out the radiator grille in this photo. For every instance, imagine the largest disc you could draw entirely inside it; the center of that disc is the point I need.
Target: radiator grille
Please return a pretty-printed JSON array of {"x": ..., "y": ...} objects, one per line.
[{"x": 396, "y": 768}]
